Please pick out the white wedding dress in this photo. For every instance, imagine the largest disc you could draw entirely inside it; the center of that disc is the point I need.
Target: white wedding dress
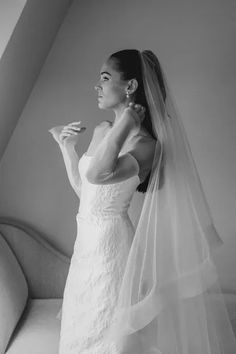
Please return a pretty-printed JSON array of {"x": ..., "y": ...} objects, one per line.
[{"x": 104, "y": 236}]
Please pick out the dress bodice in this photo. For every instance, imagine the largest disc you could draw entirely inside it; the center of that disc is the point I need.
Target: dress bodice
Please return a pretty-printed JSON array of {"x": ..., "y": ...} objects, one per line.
[
  {"x": 104, "y": 199},
  {"x": 104, "y": 237}
]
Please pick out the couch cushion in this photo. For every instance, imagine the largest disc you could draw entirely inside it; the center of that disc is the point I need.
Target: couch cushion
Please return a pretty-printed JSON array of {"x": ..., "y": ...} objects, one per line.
[
  {"x": 13, "y": 293},
  {"x": 39, "y": 330}
]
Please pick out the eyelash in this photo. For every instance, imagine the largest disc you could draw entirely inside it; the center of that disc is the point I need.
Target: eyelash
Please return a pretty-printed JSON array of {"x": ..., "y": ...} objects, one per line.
[{"x": 105, "y": 78}]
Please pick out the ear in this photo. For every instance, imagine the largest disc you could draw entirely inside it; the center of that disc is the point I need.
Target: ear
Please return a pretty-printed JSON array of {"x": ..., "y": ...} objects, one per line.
[{"x": 132, "y": 85}]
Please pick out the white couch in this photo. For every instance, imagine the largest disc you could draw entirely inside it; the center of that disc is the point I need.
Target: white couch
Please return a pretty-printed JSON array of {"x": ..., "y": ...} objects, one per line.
[{"x": 32, "y": 280}]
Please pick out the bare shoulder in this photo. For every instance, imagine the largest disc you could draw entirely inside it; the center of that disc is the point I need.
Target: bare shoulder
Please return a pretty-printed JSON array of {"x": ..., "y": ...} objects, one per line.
[
  {"x": 101, "y": 130},
  {"x": 105, "y": 124}
]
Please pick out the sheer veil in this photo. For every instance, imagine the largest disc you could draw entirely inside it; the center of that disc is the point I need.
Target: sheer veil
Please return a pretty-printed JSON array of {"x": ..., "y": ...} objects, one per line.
[{"x": 170, "y": 284}]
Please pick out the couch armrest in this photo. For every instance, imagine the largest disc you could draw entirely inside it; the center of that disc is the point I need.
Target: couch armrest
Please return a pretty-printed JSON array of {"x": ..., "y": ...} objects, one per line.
[{"x": 45, "y": 268}]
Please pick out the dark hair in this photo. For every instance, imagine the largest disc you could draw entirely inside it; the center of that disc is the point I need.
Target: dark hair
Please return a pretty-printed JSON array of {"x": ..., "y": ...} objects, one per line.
[{"x": 128, "y": 63}]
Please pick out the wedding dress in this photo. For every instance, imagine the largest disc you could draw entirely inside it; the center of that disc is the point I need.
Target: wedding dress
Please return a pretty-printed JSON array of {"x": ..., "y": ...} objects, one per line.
[
  {"x": 155, "y": 287},
  {"x": 104, "y": 236}
]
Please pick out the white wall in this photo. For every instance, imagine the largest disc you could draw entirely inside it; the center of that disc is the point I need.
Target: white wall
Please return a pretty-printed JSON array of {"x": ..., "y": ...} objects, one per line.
[{"x": 194, "y": 41}]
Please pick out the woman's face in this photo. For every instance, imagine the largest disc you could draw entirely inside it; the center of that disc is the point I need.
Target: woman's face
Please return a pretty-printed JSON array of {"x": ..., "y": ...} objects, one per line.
[{"x": 111, "y": 88}]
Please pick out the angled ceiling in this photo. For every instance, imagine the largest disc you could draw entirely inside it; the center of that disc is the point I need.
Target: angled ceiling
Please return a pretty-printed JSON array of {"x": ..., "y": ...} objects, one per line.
[
  {"x": 28, "y": 29},
  {"x": 10, "y": 11}
]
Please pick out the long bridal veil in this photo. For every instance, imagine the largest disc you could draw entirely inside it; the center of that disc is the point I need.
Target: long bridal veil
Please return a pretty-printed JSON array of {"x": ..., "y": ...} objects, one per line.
[{"x": 170, "y": 281}]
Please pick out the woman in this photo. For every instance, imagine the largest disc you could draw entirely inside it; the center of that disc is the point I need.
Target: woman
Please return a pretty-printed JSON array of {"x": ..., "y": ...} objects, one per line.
[{"x": 153, "y": 289}]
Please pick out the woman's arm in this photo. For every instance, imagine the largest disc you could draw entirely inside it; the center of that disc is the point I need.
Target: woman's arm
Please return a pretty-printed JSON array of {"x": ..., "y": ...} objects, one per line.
[
  {"x": 71, "y": 161},
  {"x": 67, "y": 138},
  {"x": 104, "y": 161}
]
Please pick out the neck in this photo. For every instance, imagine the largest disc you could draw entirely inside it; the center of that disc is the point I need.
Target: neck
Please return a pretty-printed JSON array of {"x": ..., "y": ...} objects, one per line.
[
  {"x": 118, "y": 116},
  {"x": 119, "y": 110}
]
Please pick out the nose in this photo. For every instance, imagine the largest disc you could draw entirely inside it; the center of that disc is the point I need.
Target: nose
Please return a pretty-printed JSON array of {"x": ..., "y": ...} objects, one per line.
[{"x": 97, "y": 87}]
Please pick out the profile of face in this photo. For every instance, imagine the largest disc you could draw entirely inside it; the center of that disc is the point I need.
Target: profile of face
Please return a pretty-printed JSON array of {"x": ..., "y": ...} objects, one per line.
[{"x": 111, "y": 88}]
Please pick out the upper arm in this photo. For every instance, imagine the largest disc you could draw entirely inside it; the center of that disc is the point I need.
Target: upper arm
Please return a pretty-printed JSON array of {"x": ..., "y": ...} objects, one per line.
[
  {"x": 101, "y": 129},
  {"x": 135, "y": 162}
]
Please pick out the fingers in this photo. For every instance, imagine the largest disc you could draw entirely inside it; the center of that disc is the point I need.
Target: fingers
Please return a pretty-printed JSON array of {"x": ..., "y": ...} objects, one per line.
[
  {"x": 137, "y": 107},
  {"x": 74, "y": 123},
  {"x": 71, "y": 129}
]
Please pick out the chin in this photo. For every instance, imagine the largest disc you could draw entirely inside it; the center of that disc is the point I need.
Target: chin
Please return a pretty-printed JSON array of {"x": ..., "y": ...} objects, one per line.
[
  {"x": 103, "y": 106},
  {"x": 107, "y": 104}
]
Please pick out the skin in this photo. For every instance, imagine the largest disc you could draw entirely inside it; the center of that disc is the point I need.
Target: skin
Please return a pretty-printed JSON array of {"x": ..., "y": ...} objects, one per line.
[
  {"x": 112, "y": 95},
  {"x": 112, "y": 91}
]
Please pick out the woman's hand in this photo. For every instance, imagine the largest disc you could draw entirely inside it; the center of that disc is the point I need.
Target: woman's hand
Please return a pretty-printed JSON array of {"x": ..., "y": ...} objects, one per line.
[
  {"x": 135, "y": 113},
  {"x": 67, "y": 135}
]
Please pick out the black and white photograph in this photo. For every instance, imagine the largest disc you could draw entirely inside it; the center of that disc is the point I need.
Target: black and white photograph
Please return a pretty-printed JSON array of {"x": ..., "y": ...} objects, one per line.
[{"x": 117, "y": 177}]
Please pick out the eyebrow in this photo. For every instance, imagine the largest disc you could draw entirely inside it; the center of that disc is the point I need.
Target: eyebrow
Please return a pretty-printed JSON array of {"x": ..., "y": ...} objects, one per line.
[{"x": 105, "y": 72}]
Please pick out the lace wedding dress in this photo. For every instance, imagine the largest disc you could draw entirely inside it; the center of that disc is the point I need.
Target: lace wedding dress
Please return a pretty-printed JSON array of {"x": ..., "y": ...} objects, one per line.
[{"x": 104, "y": 236}]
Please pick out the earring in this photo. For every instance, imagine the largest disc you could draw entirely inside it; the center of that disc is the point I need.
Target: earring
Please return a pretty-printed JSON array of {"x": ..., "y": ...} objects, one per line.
[{"x": 127, "y": 94}]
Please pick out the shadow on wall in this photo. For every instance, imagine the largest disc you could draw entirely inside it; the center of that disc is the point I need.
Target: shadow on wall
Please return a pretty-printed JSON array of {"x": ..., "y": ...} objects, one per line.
[{"x": 18, "y": 69}]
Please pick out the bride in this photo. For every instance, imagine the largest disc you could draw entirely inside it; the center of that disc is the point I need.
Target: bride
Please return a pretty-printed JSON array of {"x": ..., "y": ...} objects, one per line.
[{"x": 153, "y": 289}]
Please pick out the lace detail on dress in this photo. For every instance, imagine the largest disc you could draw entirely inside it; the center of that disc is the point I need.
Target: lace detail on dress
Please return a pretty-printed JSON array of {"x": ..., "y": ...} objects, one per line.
[{"x": 104, "y": 238}]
